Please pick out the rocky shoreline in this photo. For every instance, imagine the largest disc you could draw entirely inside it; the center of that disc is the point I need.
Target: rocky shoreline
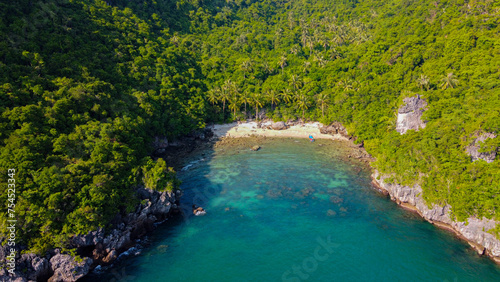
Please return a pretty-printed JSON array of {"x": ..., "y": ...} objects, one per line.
[
  {"x": 100, "y": 248},
  {"x": 474, "y": 231},
  {"x": 97, "y": 248}
]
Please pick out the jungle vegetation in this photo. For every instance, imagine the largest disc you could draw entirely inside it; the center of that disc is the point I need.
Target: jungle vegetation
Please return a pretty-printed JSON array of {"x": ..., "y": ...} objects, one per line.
[{"x": 85, "y": 86}]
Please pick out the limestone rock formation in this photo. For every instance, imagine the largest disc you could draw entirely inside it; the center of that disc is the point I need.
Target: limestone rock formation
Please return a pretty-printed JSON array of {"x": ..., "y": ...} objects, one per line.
[
  {"x": 66, "y": 269},
  {"x": 475, "y": 230},
  {"x": 410, "y": 114},
  {"x": 473, "y": 149}
]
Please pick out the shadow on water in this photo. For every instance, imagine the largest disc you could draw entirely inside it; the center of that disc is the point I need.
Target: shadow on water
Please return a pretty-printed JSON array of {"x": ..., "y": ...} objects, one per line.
[{"x": 182, "y": 158}]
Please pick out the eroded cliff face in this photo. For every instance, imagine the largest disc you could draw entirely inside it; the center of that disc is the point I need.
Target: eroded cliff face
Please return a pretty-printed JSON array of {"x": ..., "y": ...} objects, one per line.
[
  {"x": 410, "y": 115},
  {"x": 475, "y": 230},
  {"x": 474, "y": 148},
  {"x": 96, "y": 247}
]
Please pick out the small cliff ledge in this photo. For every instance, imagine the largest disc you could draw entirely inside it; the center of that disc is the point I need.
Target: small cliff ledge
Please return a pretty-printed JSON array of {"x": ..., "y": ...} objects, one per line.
[
  {"x": 474, "y": 231},
  {"x": 410, "y": 114},
  {"x": 473, "y": 149}
]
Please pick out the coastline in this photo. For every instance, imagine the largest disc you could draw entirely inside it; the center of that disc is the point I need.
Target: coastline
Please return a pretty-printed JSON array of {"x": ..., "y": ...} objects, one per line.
[
  {"x": 107, "y": 248},
  {"x": 474, "y": 231},
  {"x": 263, "y": 129},
  {"x": 408, "y": 198}
]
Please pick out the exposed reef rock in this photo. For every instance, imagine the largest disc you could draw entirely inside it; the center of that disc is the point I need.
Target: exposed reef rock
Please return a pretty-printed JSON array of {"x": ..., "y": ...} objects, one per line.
[
  {"x": 410, "y": 114},
  {"x": 473, "y": 149},
  {"x": 96, "y": 247},
  {"x": 474, "y": 231}
]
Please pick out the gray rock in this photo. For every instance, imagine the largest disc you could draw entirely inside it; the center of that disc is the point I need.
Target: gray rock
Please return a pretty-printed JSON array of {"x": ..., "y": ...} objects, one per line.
[
  {"x": 473, "y": 149},
  {"x": 280, "y": 125},
  {"x": 90, "y": 239},
  {"x": 410, "y": 114},
  {"x": 474, "y": 230},
  {"x": 106, "y": 245},
  {"x": 40, "y": 267},
  {"x": 65, "y": 268},
  {"x": 334, "y": 128}
]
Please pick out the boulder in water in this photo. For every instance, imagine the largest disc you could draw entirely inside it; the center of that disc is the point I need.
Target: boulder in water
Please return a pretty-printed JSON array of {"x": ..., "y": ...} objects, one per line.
[{"x": 255, "y": 148}]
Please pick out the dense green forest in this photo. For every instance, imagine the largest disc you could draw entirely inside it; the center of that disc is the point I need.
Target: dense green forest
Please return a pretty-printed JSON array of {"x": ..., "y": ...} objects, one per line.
[{"x": 86, "y": 85}]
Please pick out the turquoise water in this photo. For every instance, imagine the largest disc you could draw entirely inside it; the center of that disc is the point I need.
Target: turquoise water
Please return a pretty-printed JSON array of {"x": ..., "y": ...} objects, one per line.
[{"x": 294, "y": 211}]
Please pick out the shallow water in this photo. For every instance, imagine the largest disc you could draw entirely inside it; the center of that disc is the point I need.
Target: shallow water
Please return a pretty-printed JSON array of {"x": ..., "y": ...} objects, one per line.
[{"x": 294, "y": 211}]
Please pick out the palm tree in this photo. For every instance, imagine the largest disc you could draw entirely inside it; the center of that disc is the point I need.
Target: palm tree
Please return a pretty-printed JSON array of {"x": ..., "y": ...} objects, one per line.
[
  {"x": 307, "y": 66},
  {"x": 322, "y": 99},
  {"x": 267, "y": 68},
  {"x": 257, "y": 99},
  {"x": 449, "y": 81},
  {"x": 346, "y": 84},
  {"x": 302, "y": 101},
  {"x": 295, "y": 82},
  {"x": 213, "y": 95},
  {"x": 273, "y": 97},
  {"x": 234, "y": 103},
  {"x": 282, "y": 63},
  {"x": 245, "y": 99},
  {"x": 286, "y": 95},
  {"x": 246, "y": 66},
  {"x": 225, "y": 94},
  {"x": 422, "y": 81},
  {"x": 321, "y": 61}
]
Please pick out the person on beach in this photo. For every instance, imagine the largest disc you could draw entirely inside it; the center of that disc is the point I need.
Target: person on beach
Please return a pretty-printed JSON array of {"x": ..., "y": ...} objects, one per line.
[{"x": 311, "y": 138}]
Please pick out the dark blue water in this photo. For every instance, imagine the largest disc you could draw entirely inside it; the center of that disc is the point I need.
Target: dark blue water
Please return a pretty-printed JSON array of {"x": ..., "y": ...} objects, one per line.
[{"x": 295, "y": 211}]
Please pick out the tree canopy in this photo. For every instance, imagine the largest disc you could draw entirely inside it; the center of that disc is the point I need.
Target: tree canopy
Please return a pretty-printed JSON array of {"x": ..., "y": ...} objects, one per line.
[{"x": 85, "y": 86}]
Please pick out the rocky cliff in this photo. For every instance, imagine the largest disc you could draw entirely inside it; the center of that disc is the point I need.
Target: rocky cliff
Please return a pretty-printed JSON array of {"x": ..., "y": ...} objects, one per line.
[
  {"x": 474, "y": 231},
  {"x": 97, "y": 247},
  {"x": 410, "y": 114},
  {"x": 474, "y": 149}
]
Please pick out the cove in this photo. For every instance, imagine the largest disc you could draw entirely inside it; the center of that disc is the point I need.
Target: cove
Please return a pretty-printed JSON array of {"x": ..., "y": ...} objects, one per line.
[{"x": 294, "y": 211}]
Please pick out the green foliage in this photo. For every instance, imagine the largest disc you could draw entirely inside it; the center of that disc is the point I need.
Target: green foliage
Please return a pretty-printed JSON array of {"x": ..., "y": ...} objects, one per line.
[
  {"x": 84, "y": 88},
  {"x": 158, "y": 177},
  {"x": 86, "y": 85},
  {"x": 355, "y": 61}
]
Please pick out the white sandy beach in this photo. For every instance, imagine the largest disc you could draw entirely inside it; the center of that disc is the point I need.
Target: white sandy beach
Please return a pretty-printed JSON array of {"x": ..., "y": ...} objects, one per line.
[{"x": 248, "y": 129}]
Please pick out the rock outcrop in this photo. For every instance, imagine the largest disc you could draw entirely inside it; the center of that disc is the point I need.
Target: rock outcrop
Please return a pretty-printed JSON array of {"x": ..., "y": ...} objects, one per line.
[
  {"x": 410, "y": 115},
  {"x": 334, "y": 128},
  {"x": 160, "y": 144},
  {"x": 96, "y": 247},
  {"x": 66, "y": 268},
  {"x": 474, "y": 231},
  {"x": 280, "y": 125},
  {"x": 473, "y": 149}
]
